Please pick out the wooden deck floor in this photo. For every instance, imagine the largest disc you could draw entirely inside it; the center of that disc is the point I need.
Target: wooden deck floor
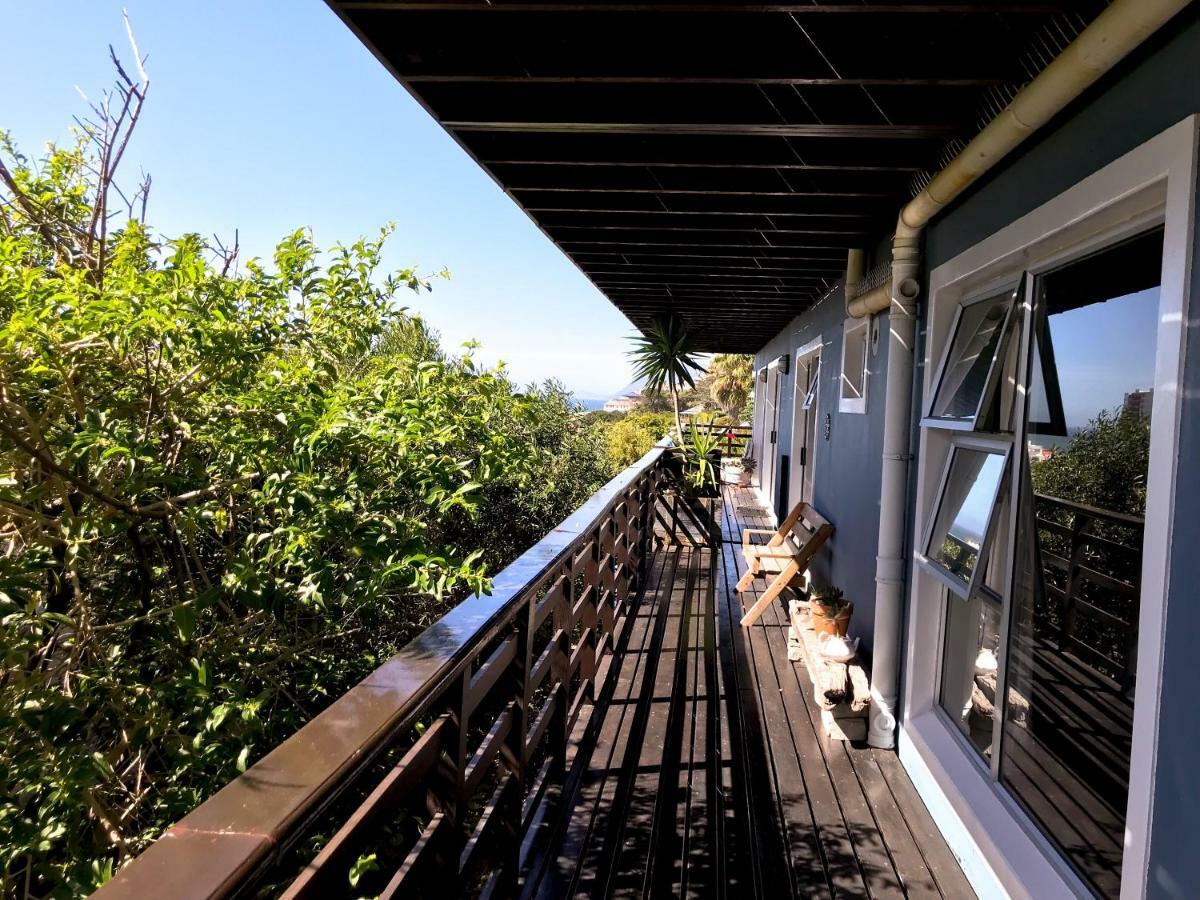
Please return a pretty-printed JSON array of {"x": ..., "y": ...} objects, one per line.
[{"x": 710, "y": 774}]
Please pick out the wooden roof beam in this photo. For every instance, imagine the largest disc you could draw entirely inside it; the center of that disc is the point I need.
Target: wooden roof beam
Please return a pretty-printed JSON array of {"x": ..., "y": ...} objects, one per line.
[
  {"x": 751, "y": 249},
  {"x": 798, "y": 9},
  {"x": 697, "y": 192},
  {"x": 746, "y": 273},
  {"x": 783, "y": 80},
  {"x": 652, "y": 164},
  {"x": 726, "y": 230},
  {"x": 852, "y": 131},
  {"x": 774, "y": 213},
  {"x": 734, "y": 264}
]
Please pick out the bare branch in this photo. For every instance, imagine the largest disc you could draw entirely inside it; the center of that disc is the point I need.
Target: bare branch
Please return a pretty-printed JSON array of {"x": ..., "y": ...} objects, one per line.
[
  {"x": 227, "y": 256},
  {"x": 144, "y": 190},
  {"x": 137, "y": 56}
]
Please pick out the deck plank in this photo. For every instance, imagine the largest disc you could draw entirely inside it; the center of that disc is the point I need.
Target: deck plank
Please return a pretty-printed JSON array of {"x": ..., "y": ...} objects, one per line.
[
  {"x": 711, "y": 775},
  {"x": 576, "y": 869},
  {"x": 839, "y": 808}
]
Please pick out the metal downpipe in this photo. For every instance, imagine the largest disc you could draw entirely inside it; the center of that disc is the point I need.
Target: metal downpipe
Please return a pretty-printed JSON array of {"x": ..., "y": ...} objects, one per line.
[
  {"x": 1118, "y": 30},
  {"x": 893, "y": 492}
]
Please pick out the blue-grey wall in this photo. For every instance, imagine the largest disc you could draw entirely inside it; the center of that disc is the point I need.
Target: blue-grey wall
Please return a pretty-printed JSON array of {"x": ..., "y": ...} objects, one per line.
[
  {"x": 848, "y": 463},
  {"x": 1154, "y": 89}
]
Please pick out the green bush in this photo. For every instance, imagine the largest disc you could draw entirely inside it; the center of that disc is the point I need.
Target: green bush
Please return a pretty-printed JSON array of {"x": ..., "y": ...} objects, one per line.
[
  {"x": 1104, "y": 464},
  {"x": 225, "y": 496},
  {"x": 629, "y": 438}
]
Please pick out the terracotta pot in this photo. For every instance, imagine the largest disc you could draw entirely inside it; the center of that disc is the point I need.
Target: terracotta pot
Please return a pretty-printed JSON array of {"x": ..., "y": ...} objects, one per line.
[{"x": 838, "y": 625}]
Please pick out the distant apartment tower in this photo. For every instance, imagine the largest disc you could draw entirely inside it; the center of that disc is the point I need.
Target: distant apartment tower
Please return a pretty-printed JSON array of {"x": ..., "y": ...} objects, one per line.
[
  {"x": 1138, "y": 403},
  {"x": 623, "y": 404}
]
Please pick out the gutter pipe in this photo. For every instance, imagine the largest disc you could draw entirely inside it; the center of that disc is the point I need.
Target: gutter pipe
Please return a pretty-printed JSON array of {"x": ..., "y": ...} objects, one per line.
[{"x": 1118, "y": 30}]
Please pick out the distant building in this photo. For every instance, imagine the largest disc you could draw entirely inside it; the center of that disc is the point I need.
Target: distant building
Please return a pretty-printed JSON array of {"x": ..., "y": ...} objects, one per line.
[
  {"x": 626, "y": 403},
  {"x": 1138, "y": 403},
  {"x": 1038, "y": 453}
]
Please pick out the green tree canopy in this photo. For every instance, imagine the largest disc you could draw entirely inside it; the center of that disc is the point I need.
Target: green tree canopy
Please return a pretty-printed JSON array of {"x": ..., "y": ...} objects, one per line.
[
  {"x": 728, "y": 381},
  {"x": 227, "y": 492}
]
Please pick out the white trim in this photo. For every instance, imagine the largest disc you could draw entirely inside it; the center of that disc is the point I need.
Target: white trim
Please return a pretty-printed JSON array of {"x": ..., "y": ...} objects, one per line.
[
  {"x": 768, "y": 466},
  {"x": 756, "y": 424},
  {"x": 1154, "y": 182},
  {"x": 1174, "y": 311},
  {"x": 801, "y": 360},
  {"x": 846, "y": 404},
  {"x": 810, "y": 348}
]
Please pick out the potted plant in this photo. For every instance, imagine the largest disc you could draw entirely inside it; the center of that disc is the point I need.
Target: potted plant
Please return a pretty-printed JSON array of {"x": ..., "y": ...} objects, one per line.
[
  {"x": 737, "y": 470},
  {"x": 830, "y": 610}
]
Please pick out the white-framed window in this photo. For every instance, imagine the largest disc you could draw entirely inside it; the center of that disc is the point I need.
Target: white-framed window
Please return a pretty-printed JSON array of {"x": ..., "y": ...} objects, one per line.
[
  {"x": 964, "y": 519},
  {"x": 1042, "y": 787},
  {"x": 970, "y": 390},
  {"x": 856, "y": 352}
]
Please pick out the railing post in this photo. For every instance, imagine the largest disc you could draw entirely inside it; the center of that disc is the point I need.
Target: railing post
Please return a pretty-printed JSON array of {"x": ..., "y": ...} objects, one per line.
[
  {"x": 560, "y": 673},
  {"x": 514, "y": 753},
  {"x": 593, "y": 628},
  {"x": 1074, "y": 561}
]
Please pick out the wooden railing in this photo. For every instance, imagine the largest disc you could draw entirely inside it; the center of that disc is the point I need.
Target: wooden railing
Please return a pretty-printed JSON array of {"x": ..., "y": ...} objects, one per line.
[
  {"x": 430, "y": 775},
  {"x": 733, "y": 437},
  {"x": 1094, "y": 579}
]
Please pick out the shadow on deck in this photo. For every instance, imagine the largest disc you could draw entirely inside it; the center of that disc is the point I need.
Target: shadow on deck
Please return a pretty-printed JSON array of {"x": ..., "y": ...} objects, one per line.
[{"x": 711, "y": 775}]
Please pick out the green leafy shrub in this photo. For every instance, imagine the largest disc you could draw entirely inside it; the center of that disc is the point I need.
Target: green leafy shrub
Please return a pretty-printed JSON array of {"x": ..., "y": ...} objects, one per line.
[
  {"x": 629, "y": 438},
  {"x": 225, "y": 496},
  {"x": 1104, "y": 464}
]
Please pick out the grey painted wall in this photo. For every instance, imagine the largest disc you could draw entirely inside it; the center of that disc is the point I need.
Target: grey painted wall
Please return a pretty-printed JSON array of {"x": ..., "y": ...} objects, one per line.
[
  {"x": 848, "y": 464},
  {"x": 1153, "y": 90}
]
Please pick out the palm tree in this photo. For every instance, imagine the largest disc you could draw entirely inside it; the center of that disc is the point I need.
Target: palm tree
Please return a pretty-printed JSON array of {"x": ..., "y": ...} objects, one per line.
[
  {"x": 666, "y": 355},
  {"x": 729, "y": 378}
]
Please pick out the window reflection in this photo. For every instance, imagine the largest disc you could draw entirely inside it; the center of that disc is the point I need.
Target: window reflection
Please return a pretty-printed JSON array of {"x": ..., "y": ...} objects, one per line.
[
  {"x": 969, "y": 668},
  {"x": 965, "y": 510},
  {"x": 973, "y": 351},
  {"x": 1067, "y": 732},
  {"x": 854, "y": 363}
]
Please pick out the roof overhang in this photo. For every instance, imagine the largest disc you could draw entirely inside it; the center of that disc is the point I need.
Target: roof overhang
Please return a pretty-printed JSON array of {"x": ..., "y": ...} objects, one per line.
[{"x": 715, "y": 160}]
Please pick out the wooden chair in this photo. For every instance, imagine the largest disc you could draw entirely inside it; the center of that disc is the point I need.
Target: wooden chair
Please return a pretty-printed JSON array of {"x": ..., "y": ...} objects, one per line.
[{"x": 786, "y": 555}]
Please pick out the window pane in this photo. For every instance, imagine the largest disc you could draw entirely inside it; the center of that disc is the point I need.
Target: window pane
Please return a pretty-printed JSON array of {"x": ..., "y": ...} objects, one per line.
[
  {"x": 964, "y": 510},
  {"x": 854, "y": 363},
  {"x": 972, "y": 353},
  {"x": 1067, "y": 733},
  {"x": 814, "y": 381},
  {"x": 968, "y": 692}
]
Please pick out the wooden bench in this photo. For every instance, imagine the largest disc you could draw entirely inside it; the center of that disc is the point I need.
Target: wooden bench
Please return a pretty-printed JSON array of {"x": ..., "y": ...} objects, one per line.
[{"x": 785, "y": 555}]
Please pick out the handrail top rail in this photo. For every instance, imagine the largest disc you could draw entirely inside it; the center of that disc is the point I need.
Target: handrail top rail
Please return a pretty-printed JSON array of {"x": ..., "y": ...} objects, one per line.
[
  {"x": 1095, "y": 512},
  {"x": 216, "y": 847}
]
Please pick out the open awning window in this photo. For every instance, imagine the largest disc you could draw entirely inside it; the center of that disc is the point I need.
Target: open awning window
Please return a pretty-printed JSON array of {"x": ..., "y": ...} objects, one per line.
[
  {"x": 964, "y": 517},
  {"x": 967, "y": 391},
  {"x": 814, "y": 381}
]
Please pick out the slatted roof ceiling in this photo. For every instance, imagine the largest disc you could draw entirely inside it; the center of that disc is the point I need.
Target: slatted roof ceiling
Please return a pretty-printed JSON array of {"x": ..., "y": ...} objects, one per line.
[{"x": 712, "y": 159}]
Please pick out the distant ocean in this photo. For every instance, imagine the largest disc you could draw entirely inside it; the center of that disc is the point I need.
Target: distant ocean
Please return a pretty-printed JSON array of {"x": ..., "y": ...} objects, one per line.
[{"x": 591, "y": 404}]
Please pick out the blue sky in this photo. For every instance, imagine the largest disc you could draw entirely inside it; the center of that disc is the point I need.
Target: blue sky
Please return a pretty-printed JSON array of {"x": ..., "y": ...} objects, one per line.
[
  {"x": 1104, "y": 351},
  {"x": 265, "y": 116}
]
